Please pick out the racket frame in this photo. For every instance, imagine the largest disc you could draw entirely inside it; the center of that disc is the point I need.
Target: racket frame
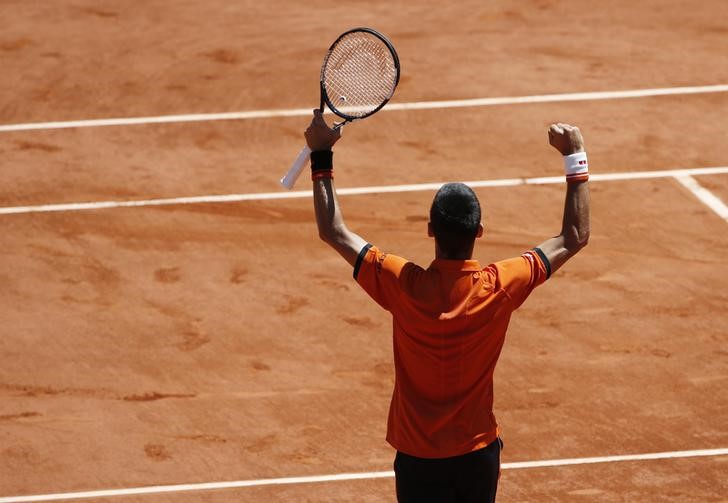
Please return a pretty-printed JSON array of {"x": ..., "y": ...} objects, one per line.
[
  {"x": 289, "y": 179},
  {"x": 324, "y": 95}
]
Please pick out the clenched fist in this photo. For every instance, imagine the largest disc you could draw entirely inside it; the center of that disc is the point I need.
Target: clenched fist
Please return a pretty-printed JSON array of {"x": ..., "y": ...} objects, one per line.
[{"x": 566, "y": 139}]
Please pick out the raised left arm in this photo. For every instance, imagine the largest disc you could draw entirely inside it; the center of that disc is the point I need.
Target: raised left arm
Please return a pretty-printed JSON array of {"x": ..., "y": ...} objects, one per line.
[{"x": 331, "y": 226}]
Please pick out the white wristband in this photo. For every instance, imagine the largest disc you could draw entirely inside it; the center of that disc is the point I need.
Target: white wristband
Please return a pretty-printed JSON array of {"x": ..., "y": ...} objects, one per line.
[{"x": 576, "y": 167}]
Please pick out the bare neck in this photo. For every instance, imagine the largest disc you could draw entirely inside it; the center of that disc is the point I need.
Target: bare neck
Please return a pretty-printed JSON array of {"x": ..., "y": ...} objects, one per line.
[{"x": 465, "y": 255}]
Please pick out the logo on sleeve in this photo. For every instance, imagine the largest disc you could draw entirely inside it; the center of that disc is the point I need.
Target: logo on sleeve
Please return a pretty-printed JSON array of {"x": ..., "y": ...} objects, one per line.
[{"x": 380, "y": 262}]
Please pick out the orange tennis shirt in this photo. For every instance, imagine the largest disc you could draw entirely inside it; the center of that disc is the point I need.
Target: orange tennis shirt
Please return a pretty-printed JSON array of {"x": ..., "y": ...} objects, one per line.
[{"x": 449, "y": 324}]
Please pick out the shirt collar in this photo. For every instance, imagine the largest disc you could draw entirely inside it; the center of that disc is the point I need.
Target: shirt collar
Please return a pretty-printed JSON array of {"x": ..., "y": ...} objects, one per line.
[{"x": 458, "y": 265}]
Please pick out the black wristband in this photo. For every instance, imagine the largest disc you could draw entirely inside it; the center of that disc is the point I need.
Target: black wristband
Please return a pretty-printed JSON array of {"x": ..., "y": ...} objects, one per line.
[{"x": 322, "y": 160}]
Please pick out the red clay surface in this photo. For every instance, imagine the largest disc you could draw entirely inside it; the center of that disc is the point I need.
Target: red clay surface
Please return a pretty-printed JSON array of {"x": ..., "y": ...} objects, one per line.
[
  {"x": 718, "y": 185},
  {"x": 222, "y": 342}
]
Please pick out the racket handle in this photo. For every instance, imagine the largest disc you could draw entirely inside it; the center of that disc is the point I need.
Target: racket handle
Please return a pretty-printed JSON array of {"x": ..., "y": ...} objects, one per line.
[{"x": 289, "y": 180}]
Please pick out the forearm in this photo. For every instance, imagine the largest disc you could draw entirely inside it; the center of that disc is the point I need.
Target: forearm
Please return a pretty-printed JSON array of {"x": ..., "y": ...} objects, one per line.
[
  {"x": 576, "y": 221},
  {"x": 330, "y": 221}
]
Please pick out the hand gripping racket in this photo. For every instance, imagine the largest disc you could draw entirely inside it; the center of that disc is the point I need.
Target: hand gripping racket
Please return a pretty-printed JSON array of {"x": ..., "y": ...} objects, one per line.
[{"x": 358, "y": 77}]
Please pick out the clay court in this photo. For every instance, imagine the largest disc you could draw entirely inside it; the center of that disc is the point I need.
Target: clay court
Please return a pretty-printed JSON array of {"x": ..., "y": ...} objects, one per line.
[{"x": 172, "y": 329}]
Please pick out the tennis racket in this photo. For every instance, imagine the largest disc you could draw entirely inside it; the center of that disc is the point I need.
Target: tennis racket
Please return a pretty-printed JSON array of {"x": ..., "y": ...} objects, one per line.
[{"x": 358, "y": 77}]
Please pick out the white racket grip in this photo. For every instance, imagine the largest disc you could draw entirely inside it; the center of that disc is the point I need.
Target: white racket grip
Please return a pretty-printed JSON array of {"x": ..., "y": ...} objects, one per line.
[{"x": 294, "y": 172}]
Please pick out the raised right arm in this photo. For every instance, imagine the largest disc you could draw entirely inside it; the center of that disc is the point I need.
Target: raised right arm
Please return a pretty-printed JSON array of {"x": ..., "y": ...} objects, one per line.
[
  {"x": 329, "y": 219},
  {"x": 576, "y": 221}
]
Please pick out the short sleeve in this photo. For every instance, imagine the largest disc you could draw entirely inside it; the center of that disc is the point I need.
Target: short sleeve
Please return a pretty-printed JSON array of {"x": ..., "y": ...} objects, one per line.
[
  {"x": 519, "y": 276},
  {"x": 380, "y": 275}
]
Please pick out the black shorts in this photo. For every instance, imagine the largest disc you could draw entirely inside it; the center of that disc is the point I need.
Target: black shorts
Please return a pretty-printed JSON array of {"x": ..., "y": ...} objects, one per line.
[{"x": 472, "y": 477}]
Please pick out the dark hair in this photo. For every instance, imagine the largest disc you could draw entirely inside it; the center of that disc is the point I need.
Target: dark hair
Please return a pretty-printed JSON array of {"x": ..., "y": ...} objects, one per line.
[{"x": 455, "y": 217}]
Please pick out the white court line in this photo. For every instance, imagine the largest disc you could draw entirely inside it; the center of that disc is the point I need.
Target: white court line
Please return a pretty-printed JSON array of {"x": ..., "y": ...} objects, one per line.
[
  {"x": 265, "y": 196},
  {"x": 419, "y": 105},
  {"x": 237, "y": 484},
  {"x": 705, "y": 196}
]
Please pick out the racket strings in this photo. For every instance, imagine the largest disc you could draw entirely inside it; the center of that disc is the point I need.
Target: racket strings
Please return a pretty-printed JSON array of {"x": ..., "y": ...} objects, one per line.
[{"x": 359, "y": 75}]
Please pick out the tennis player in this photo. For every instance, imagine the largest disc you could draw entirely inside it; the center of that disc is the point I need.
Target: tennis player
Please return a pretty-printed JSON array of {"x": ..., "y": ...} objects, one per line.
[{"x": 449, "y": 321}]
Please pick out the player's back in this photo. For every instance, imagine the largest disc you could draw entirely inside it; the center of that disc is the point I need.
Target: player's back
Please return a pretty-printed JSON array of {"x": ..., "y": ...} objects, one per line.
[{"x": 449, "y": 325}]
